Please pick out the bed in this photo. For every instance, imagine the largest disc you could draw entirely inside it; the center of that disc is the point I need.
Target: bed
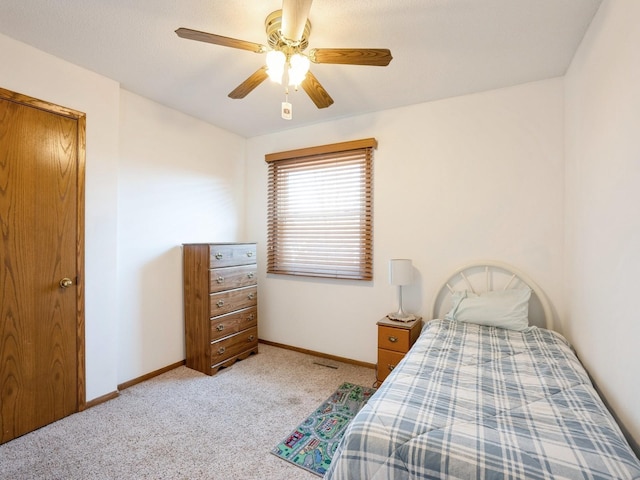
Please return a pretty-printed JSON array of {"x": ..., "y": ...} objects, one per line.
[{"x": 481, "y": 397}]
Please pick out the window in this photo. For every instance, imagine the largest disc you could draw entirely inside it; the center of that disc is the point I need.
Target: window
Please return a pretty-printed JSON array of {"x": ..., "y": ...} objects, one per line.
[{"x": 320, "y": 211}]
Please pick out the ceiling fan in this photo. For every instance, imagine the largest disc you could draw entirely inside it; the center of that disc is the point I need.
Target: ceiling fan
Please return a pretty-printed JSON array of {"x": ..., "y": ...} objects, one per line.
[{"x": 288, "y": 37}]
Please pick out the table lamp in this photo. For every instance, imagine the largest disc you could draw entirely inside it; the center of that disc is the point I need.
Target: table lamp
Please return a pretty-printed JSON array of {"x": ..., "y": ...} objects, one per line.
[{"x": 400, "y": 273}]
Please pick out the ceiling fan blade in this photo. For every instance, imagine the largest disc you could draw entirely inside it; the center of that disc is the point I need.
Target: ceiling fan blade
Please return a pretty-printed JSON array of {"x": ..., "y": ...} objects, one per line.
[
  {"x": 379, "y": 57},
  {"x": 246, "y": 87},
  {"x": 220, "y": 40},
  {"x": 294, "y": 17},
  {"x": 316, "y": 92}
]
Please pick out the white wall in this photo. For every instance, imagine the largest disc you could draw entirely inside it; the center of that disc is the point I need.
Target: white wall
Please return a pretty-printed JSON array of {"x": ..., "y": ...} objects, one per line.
[
  {"x": 479, "y": 176},
  {"x": 603, "y": 194},
  {"x": 26, "y": 70},
  {"x": 180, "y": 180},
  {"x": 155, "y": 179}
]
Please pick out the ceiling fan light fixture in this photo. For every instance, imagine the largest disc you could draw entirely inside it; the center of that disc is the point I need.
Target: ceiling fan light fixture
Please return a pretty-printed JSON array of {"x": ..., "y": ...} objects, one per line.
[
  {"x": 276, "y": 61},
  {"x": 298, "y": 68},
  {"x": 288, "y": 33}
]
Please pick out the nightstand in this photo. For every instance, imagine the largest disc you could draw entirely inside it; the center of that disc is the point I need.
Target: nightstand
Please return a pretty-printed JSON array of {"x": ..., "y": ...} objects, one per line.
[{"x": 394, "y": 340}]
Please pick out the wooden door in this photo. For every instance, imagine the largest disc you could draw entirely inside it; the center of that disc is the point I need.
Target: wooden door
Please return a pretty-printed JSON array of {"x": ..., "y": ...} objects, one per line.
[{"x": 41, "y": 263}]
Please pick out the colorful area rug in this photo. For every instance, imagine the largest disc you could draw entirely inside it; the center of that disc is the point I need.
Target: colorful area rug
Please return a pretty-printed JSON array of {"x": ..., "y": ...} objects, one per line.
[{"x": 312, "y": 444}]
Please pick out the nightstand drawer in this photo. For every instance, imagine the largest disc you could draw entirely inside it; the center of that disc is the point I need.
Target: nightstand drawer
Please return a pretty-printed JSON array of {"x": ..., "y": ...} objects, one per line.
[
  {"x": 387, "y": 361},
  {"x": 397, "y": 339}
]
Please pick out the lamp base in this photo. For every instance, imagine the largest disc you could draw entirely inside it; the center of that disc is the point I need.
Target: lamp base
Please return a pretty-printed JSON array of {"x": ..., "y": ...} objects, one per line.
[{"x": 402, "y": 317}]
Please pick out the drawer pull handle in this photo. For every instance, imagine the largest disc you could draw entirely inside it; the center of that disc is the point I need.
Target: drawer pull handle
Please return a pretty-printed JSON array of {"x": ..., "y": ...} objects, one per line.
[
  {"x": 221, "y": 350},
  {"x": 250, "y": 317},
  {"x": 251, "y": 296},
  {"x": 218, "y": 256},
  {"x": 220, "y": 303},
  {"x": 251, "y": 338},
  {"x": 393, "y": 339},
  {"x": 220, "y": 327},
  {"x": 391, "y": 367},
  {"x": 250, "y": 274},
  {"x": 249, "y": 254},
  {"x": 220, "y": 280}
]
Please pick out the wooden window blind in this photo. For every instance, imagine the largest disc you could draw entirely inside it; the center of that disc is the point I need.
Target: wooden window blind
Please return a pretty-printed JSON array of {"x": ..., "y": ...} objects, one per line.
[{"x": 320, "y": 215}]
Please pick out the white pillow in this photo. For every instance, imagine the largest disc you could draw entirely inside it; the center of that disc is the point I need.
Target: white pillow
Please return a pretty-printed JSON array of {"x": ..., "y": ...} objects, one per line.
[{"x": 499, "y": 308}]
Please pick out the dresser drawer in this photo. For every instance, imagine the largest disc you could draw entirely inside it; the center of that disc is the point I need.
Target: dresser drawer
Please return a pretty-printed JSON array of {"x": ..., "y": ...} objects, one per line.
[
  {"x": 231, "y": 277},
  {"x": 227, "y": 255},
  {"x": 387, "y": 361},
  {"x": 233, "y": 345},
  {"x": 396, "y": 339},
  {"x": 230, "y": 300},
  {"x": 233, "y": 322}
]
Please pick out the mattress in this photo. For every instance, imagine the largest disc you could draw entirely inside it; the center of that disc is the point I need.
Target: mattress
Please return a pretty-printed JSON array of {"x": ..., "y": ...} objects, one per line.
[{"x": 471, "y": 401}]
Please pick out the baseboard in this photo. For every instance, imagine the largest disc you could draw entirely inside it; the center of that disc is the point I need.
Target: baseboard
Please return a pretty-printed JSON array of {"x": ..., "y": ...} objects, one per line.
[
  {"x": 319, "y": 354},
  {"x": 150, "y": 375},
  {"x": 99, "y": 400},
  {"x": 130, "y": 383}
]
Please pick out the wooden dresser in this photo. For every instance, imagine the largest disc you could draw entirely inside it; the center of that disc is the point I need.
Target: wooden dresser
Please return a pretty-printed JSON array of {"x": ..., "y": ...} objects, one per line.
[{"x": 220, "y": 304}]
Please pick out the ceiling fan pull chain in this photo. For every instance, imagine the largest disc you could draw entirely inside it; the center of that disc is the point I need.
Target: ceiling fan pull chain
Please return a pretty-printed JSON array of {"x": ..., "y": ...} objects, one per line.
[{"x": 286, "y": 111}]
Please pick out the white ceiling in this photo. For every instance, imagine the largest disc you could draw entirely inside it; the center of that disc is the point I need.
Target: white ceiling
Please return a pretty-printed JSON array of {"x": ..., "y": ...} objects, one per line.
[{"x": 440, "y": 48}]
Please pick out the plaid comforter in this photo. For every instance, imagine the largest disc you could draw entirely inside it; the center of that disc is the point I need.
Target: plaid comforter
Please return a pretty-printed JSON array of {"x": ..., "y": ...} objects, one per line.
[{"x": 473, "y": 402}]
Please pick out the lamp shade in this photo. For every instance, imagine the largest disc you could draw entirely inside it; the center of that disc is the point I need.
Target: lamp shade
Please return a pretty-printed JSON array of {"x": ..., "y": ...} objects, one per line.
[{"x": 400, "y": 271}]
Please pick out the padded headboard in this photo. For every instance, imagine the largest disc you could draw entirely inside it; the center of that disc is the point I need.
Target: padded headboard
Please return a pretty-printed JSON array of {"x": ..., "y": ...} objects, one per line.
[{"x": 488, "y": 275}]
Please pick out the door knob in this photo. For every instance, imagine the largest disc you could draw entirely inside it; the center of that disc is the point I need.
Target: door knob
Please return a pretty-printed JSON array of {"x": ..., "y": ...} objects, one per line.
[{"x": 66, "y": 282}]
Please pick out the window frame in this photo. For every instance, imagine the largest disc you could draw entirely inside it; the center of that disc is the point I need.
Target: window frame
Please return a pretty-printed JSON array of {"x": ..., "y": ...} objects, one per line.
[{"x": 354, "y": 262}]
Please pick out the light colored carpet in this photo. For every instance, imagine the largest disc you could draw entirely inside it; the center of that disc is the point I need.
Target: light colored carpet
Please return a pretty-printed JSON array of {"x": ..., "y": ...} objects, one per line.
[{"x": 186, "y": 425}]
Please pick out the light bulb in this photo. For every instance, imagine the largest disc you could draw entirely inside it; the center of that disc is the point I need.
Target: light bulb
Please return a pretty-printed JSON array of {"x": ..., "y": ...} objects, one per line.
[
  {"x": 275, "y": 65},
  {"x": 298, "y": 68}
]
